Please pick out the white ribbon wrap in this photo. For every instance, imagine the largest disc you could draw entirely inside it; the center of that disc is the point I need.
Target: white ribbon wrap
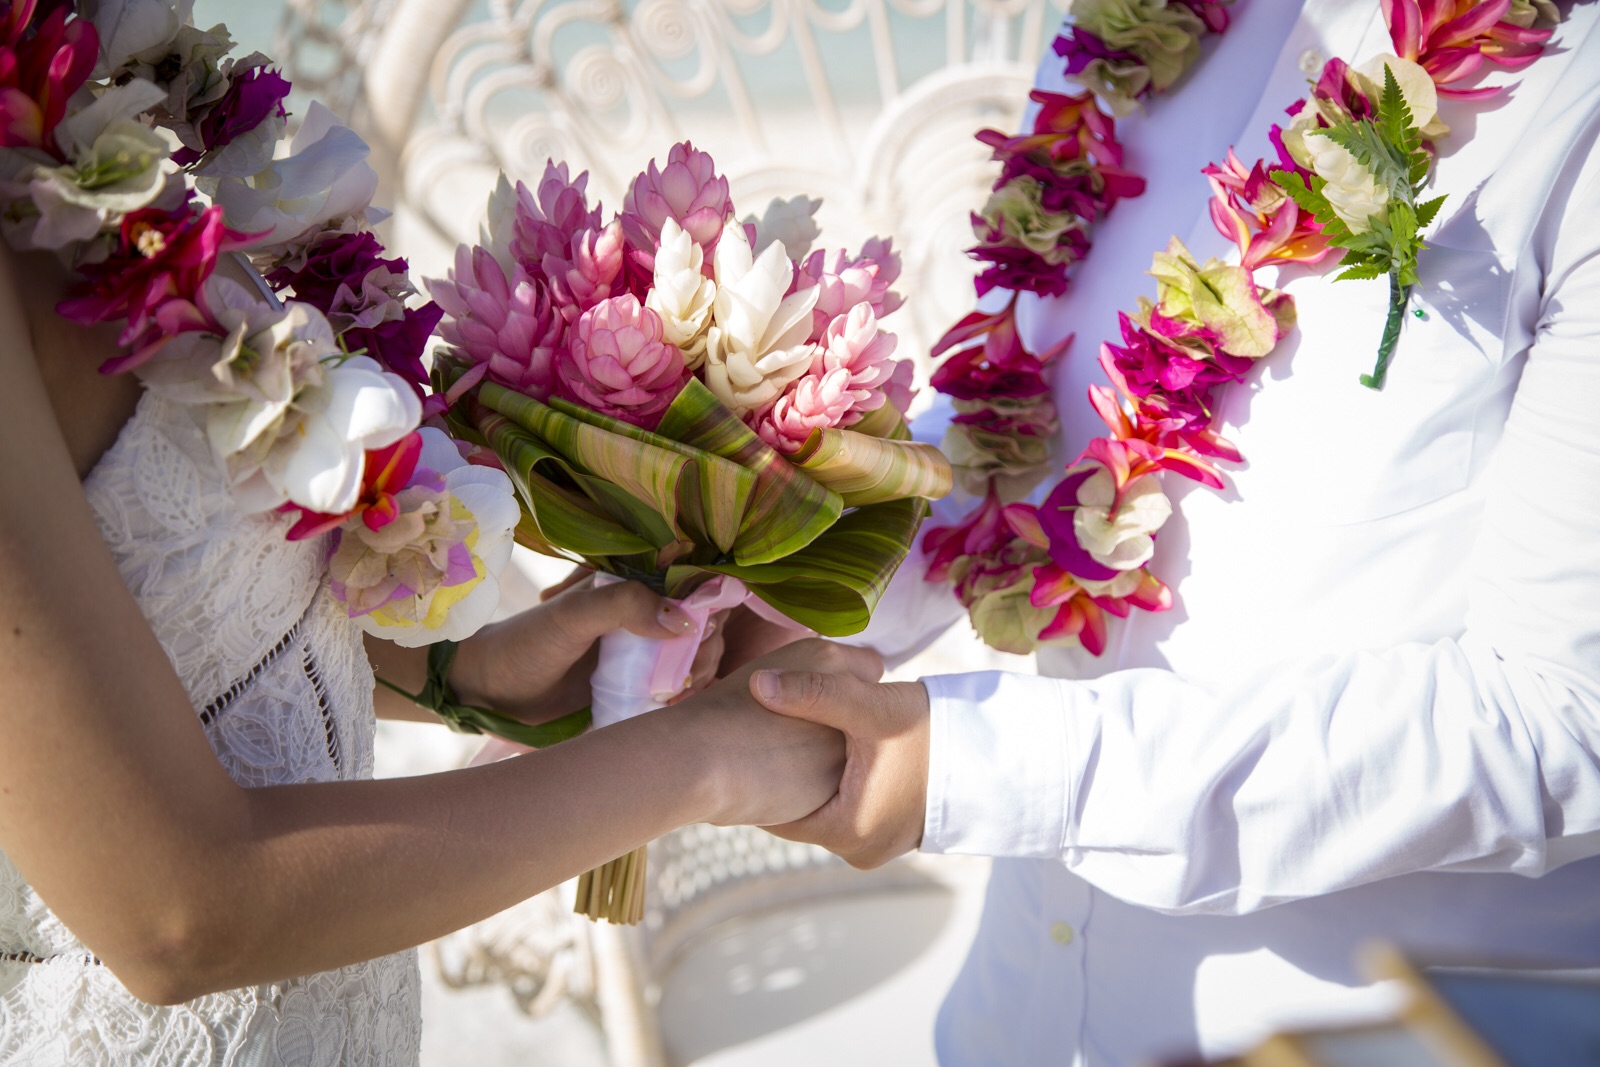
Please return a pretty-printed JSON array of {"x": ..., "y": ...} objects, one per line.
[{"x": 639, "y": 674}]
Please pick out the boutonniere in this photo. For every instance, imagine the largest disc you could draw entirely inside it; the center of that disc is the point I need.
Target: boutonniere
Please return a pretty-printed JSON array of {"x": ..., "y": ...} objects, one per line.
[{"x": 1365, "y": 190}]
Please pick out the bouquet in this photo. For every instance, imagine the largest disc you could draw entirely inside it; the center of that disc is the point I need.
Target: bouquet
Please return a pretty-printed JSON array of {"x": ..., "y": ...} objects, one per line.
[{"x": 698, "y": 402}]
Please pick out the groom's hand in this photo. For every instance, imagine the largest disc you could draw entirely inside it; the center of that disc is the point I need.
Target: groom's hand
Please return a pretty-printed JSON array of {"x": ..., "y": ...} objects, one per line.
[{"x": 878, "y": 812}]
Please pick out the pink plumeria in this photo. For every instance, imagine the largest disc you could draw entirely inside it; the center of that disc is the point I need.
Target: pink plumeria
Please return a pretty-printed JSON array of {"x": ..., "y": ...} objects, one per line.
[{"x": 509, "y": 327}]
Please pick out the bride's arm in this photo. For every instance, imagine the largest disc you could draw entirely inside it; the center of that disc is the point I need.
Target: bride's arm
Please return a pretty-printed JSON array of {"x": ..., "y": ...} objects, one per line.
[{"x": 114, "y": 808}]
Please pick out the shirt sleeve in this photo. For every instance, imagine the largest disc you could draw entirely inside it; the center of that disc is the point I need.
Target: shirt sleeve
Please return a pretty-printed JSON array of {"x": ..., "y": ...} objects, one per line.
[{"x": 1477, "y": 753}]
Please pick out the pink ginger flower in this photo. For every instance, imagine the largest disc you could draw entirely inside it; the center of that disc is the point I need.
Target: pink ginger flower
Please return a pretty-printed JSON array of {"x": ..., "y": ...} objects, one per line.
[
  {"x": 688, "y": 189},
  {"x": 814, "y": 402},
  {"x": 852, "y": 374},
  {"x": 588, "y": 272},
  {"x": 845, "y": 282},
  {"x": 616, "y": 363},
  {"x": 510, "y": 327},
  {"x": 547, "y": 219}
]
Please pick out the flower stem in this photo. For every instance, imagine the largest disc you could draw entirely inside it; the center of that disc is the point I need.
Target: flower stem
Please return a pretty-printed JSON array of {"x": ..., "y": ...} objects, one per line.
[{"x": 1399, "y": 295}]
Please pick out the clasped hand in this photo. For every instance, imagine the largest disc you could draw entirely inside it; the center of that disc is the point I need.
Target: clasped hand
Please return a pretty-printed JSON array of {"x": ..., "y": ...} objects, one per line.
[{"x": 771, "y": 771}]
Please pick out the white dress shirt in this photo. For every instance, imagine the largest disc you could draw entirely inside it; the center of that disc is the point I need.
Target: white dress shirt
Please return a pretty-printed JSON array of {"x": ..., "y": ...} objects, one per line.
[{"x": 1376, "y": 710}]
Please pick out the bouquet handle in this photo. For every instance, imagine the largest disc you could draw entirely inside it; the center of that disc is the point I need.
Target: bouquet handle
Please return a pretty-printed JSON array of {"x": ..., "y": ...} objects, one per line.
[{"x": 635, "y": 675}]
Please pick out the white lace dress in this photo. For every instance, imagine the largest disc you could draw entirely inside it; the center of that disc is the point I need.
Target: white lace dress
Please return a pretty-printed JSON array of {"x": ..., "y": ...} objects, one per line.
[{"x": 281, "y": 684}]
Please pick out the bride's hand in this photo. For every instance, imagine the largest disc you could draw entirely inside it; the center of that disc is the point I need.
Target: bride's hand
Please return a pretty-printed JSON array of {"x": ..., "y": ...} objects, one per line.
[
  {"x": 535, "y": 666},
  {"x": 764, "y": 770}
]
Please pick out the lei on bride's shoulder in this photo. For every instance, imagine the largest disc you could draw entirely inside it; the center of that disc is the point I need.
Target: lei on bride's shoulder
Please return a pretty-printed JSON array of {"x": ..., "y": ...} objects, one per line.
[
  {"x": 138, "y": 150},
  {"x": 1348, "y": 174}
]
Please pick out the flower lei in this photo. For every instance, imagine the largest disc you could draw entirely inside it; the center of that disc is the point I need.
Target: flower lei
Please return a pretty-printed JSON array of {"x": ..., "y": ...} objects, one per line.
[
  {"x": 1348, "y": 172},
  {"x": 135, "y": 148}
]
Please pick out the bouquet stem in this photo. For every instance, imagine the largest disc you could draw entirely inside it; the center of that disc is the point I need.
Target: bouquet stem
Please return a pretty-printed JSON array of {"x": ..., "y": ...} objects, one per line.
[{"x": 614, "y": 891}]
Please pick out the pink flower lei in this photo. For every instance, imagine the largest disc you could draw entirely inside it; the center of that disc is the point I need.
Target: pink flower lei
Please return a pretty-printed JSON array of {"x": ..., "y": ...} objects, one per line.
[{"x": 1051, "y": 574}]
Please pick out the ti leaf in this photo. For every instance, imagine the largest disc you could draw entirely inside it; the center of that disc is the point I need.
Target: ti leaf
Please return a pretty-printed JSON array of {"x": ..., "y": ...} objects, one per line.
[
  {"x": 833, "y": 585},
  {"x": 787, "y": 509},
  {"x": 869, "y": 470},
  {"x": 562, "y": 518}
]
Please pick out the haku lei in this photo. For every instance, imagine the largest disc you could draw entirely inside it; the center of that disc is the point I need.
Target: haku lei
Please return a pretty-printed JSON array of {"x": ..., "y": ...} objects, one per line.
[
  {"x": 135, "y": 148},
  {"x": 1348, "y": 176}
]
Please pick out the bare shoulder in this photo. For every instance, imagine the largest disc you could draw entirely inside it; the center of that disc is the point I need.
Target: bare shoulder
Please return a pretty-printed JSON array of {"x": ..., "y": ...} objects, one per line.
[{"x": 88, "y": 408}]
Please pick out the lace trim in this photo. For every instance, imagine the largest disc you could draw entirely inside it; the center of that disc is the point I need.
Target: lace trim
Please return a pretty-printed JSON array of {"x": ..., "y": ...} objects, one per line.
[
  {"x": 209, "y": 713},
  {"x": 28, "y": 957},
  {"x": 324, "y": 705}
]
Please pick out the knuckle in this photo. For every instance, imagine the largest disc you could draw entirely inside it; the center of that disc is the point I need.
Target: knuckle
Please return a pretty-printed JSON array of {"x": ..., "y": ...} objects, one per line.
[{"x": 812, "y": 688}]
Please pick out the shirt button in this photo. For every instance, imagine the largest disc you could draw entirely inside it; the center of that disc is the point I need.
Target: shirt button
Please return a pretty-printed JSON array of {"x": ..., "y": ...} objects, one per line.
[{"x": 1062, "y": 933}]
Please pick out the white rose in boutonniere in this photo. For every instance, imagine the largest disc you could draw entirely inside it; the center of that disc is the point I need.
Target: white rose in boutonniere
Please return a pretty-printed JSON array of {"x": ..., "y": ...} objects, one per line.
[
  {"x": 1352, "y": 190},
  {"x": 757, "y": 344},
  {"x": 1123, "y": 541},
  {"x": 1416, "y": 86},
  {"x": 682, "y": 295}
]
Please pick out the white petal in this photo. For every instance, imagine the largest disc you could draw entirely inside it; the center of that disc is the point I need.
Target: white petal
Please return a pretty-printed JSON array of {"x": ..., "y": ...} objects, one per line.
[{"x": 440, "y": 455}]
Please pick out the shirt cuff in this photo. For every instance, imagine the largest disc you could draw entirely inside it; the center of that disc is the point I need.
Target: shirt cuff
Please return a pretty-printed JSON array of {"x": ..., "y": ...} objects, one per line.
[{"x": 997, "y": 766}]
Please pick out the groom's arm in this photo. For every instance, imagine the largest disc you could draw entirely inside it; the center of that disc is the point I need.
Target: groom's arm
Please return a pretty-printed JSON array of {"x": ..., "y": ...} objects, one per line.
[{"x": 1479, "y": 753}]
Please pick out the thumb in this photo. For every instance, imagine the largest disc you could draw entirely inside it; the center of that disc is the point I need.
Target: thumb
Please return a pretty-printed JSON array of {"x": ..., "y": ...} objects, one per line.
[
  {"x": 594, "y": 611},
  {"x": 829, "y": 699}
]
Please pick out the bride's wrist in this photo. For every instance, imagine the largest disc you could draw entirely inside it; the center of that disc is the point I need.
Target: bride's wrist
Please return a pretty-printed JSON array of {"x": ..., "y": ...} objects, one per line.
[{"x": 473, "y": 674}]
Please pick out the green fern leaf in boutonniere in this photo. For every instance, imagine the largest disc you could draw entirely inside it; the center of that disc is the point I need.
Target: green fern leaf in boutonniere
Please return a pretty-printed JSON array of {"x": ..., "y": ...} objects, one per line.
[{"x": 1365, "y": 191}]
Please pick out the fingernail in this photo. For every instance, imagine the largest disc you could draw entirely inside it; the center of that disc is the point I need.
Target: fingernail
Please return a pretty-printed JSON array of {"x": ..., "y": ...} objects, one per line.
[
  {"x": 672, "y": 619},
  {"x": 766, "y": 683}
]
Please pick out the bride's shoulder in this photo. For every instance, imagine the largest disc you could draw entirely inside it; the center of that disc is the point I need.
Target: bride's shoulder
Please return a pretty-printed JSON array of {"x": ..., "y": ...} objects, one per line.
[{"x": 89, "y": 408}]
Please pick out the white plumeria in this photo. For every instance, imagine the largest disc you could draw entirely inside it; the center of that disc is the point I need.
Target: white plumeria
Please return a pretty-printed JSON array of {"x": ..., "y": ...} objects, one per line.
[
  {"x": 475, "y": 495},
  {"x": 682, "y": 295},
  {"x": 286, "y": 413},
  {"x": 1123, "y": 542},
  {"x": 757, "y": 343},
  {"x": 325, "y": 178},
  {"x": 1352, "y": 191},
  {"x": 791, "y": 223}
]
